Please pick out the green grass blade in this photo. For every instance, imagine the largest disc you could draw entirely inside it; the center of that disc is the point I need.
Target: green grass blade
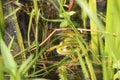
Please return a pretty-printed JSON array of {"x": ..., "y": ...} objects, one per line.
[
  {"x": 112, "y": 48},
  {"x": 10, "y": 44},
  {"x": 2, "y": 27},
  {"x": 12, "y": 13},
  {"x": 84, "y": 69},
  {"x": 51, "y": 20},
  {"x": 29, "y": 26},
  {"x": 8, "y": 59},
  {"x": 19, "y": 36},
  {"x": 84, "y": 16},
  {"x": 23, "y": 68},
  {"x": 97, "y": 22},
  {"x": 1, "y": 68},
  {"x": 94, "y": 36},
  {"x": 2, "y": 24}
]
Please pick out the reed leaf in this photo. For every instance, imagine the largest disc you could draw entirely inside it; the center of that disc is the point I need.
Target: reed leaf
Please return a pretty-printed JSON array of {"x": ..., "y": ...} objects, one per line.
[
  {"x": 29, "y": 25},
  {"x": 2, "y": 24},
  {"x": 94, "y": 36},
  {"x": 82, "y": 62},
  {"x": 1, "y": 68},
  {"x": 19, "y": 36},
  {"x": 9, "y": 62},
  {"x": 91, "y": 15},
  {"x": 112, "y": 48}
]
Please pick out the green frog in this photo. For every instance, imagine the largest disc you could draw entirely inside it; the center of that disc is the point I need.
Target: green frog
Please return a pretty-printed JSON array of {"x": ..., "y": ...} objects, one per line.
[{"x": 67, "y": 45}]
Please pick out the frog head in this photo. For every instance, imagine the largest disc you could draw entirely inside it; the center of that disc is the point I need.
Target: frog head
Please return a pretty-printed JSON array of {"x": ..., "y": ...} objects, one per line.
[{"x": 64, "y": 49}]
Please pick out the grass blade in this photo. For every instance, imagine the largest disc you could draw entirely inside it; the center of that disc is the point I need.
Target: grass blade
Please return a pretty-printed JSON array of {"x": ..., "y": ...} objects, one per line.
[{"x": 8, "y": 59}]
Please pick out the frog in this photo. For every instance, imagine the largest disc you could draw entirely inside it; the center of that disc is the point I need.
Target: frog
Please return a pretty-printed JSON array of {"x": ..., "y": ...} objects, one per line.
[{"x": 67, "y": 45}]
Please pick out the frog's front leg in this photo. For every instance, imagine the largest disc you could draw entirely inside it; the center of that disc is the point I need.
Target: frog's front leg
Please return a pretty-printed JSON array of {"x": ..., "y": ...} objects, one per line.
[
  {"x": 51, "y": 48},
  {"x": 62, "y": 49}
]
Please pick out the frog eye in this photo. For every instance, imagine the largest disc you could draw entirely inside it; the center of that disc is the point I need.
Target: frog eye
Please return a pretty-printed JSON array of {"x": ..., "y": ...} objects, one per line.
[
  {"x": 64, "y": 50},
  {"x": 67, "y": 47}
]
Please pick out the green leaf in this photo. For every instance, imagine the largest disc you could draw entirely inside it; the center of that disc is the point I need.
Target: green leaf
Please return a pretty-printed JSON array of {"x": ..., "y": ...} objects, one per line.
[
  {"x": 22, "y": 68},
  {"x": 64, "y": 23},
  {"x": 67, "y": 13},
  {"x": 11, "y": 42},
  {"x": 117, "y": 75},
  {"x": 8, "y": 59},
  {"x": 12, "y": 13},
  {"x": 1, "y": 69},
  {"x": 116, "y": 64}
]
